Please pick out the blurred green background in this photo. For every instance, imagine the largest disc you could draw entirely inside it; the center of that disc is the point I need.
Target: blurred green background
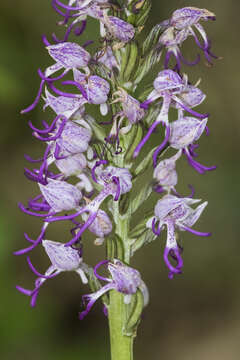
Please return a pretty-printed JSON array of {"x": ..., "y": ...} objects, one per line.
[{"x": 197, "y": 315}]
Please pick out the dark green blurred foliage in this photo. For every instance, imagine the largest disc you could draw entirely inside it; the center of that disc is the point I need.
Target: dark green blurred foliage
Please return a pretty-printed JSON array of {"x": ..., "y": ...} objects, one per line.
[{"x": 195, "y": 316}]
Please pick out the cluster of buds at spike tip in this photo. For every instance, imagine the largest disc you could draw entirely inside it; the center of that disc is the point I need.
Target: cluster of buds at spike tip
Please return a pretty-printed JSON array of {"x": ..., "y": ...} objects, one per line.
[{"x": 89, "y": 167}]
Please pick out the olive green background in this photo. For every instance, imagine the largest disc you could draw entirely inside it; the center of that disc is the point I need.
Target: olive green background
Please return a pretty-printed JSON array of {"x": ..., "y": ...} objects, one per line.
[{"x": 197, "y": 315}]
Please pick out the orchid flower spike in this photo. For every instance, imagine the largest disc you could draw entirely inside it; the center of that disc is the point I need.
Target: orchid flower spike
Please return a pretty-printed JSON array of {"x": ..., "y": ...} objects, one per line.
[
  {"x": 124, "y": 279},
  {"x": 62, "y": 259}
]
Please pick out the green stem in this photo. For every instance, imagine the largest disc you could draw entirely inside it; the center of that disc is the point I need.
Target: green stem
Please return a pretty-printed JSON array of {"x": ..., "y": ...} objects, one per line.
[{"x": 121, "y": 345}]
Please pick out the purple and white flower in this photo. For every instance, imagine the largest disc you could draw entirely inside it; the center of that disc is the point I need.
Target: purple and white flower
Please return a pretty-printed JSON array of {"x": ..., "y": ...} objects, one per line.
[
  {"x": 115, "y": 182},
  {"x": 62, "y": 259},
  {"x": 175, "y": 91},
  {"x": 182, "y": 25},
  {"x": 124, "y": 279},
  {"x": 175, "y": 213}
]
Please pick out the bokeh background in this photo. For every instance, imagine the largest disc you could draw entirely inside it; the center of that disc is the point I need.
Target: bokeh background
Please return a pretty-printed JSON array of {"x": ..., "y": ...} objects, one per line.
[{"x": 195, "y": 316}]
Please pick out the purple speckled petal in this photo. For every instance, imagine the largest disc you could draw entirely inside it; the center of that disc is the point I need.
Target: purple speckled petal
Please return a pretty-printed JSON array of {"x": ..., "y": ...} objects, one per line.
[
  {"x": 96, "y": 88},
  {"x": 74, "y": 139},
  {"x": 126, "y": 278},
  {"x": 69, "y": 55},
  {"x": 168, "y": 80},
  {"x": 72, "y": 165},
  {"x": 194, "y": 215},
  {"x": 124, "y": 176},
  {"x": 102, "y": 225},
  {"x": 165, "y": 172},
  {"x": 62, "y": 105},
  {"x": 186, "y": 131},
  {"x": 188, "y": 16},
  {"x": 131, "y": 109},
  {"x": 60, "y": 195},
  {"x": 120, "y": 29},
  {"x": 62, "y": 258},
  {"x": 167, "y": 205},
  {"x": 191, "y": 97}
]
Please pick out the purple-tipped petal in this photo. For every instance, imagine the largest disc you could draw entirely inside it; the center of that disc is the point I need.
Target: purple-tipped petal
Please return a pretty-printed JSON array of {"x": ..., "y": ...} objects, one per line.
[
  {"x": 197, "y": 166},
  {"x": 98, "y": 163},
  {"x": 145, "y": 139},
  {"x": 34, "y": 104},
  {"x": 190, "y": 63},
  {"x": 92, "y": 298},
  {"x": 158, "y": 230},
  {"x": 162, "y": 146},
  {"x": 24, "y": 291},
  {"x": 35, "y": 243},
  {"x": 89, "y": 221},
  {"x": 28, "y": 212},
  {"x": 56, "y": 136},
  {"x": 48, "y": 128},
  {"x": 38, "y": 273},
  {"x": 67, "y": 7},
  {"x": 191, "y": 111},
  {"x": 118, "y": 191},
  {"x": 179, "y": 266},
  {"x": 195, "y": 232},
  {"x": 104, "y": 262},
  {"x": 45, "y": 40}
]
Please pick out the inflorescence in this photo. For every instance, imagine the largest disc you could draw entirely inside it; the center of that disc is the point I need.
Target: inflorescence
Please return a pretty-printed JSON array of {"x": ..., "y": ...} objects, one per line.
[{"x": 92, "y": 166}]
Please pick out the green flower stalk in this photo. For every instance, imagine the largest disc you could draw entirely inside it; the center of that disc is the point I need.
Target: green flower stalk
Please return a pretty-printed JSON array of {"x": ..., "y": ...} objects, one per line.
[{"x": 96, "y": 173}]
